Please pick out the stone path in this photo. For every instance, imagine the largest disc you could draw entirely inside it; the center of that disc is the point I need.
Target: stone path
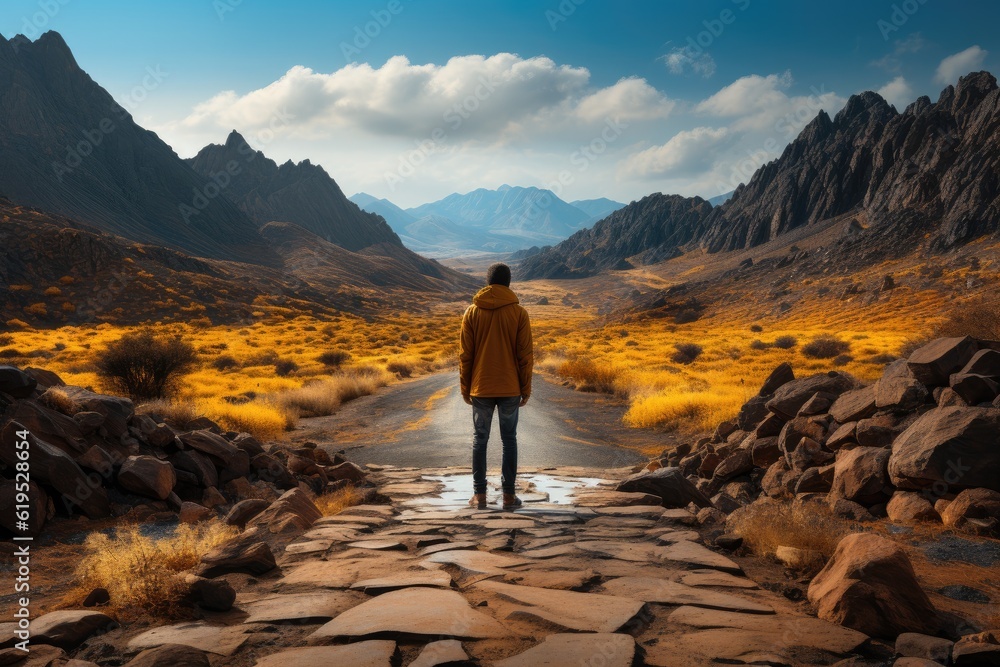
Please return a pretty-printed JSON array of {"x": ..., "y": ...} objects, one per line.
[{"x": 429, "y": 580}]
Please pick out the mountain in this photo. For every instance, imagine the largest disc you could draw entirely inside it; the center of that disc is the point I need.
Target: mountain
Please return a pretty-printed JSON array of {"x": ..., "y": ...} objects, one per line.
[
  {"x": 720, "y": 199},
  {"x": 929, "y": 172},
  {"x": 397, "y": 218},
  {"x": 650, "y": 229},
  {"x": 522, "y": 214},
  {"x": 302, "y": 193},
  {"x": 596, "y": 209},
  {"x": 70, "y": 149}
]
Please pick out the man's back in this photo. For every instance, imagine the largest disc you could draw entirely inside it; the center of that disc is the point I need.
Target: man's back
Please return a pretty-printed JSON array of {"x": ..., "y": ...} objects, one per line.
[{"x": 495, "y": 357}]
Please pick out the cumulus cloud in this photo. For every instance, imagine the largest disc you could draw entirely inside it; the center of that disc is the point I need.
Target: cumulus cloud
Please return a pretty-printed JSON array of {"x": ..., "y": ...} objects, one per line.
[
  {"x": 761, "y": 103},
  {"x": 686, "y": 154},
  {"x": 680, "y": 59},
  {"x": 897, "y": 93},
  {"x": 960, "y": 63},
  {"x": 468, "y": 97}
]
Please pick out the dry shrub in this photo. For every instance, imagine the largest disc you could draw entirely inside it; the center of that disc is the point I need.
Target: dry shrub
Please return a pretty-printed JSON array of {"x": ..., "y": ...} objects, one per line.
[
  {"x": 978, "y": 317},
  {"x": 759, "y": 345},
  {"x": 285, "y": 367},
  {"x": 6, "y": 339},
  {"x": 685, "y": 353},
  {"x": 339, "y": 500},
  {"x": 318, "y": 399},
  {"x": 400, "y": 367},
  {"x": 143, "y": 365},
  {"x": 173, "y": 413},
  {"x": 334, "y": 358},
  {"x": 264, "y": 421},
  {"x": 57, "y": 399},
  {"x": 588, "y": 376},
  {"x": 825, "y": 347},
  {"x": 785, "y": 342},
  {"x": 224, "y": 362},
  {"x": 140, "y": 571},
  {"x": 756, "y": 328},
  {"x": 768, "y": 524}
]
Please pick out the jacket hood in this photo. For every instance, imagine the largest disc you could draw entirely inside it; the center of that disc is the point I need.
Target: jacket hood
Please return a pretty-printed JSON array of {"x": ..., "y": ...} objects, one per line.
[{"x": 494, "y": 296}]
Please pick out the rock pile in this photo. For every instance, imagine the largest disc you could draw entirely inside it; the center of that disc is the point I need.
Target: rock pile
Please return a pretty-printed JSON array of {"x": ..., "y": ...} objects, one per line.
[{"x": 93, "y": 455}]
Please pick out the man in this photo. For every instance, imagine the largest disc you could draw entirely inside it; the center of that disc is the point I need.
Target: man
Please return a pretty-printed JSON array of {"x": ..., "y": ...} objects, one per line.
[{"x": 495, "y": 363}]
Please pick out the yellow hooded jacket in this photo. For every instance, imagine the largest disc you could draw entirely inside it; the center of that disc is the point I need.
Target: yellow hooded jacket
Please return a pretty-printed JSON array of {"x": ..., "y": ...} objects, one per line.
[{"x": 495, "y": 351}]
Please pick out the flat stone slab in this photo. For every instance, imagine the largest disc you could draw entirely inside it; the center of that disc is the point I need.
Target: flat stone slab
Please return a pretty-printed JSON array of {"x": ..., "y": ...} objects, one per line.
[
  {"x": 551, "y": 552},
  {"x": 217, "y": 639},
  {"x": 612, "y": 650},
  {"x": 640, "y": 552},
  {"x": 319, "y": 605},
  {"x": 369, "y": 510},
  {"x": 434, "y": 579},
  {"x": 716, "y": 578},
  {"x": 562, "y": 579},
  {"x": 672, "y": 536},
  {"x": 339, "y": 533},
  {"x": 413, "y": 611},
  {"x": 664, "y": 591},
  {"x": 443, "y": 652},
  {"x": 447, "y": 546},
  {"x": 631, "y": 510},
  {"x": 341, "y": 573},
  {"x": 410, "y": 488},
  {"x": 342, "y": 518},
  {"x": 480, "y": 562},
  {"x": 376, "y": 653},
  {"x": 620, "y": 522},
  {"x": 748, "y": 638},
  {"x": 378, "y": 545},
  {"x": 586, "y": 612},
  {"x": 310, "y": 547},
  {"x": 426, "y": 529},
  {"x": 697, "y": 554},
  {"x": 599, "y": 498}
]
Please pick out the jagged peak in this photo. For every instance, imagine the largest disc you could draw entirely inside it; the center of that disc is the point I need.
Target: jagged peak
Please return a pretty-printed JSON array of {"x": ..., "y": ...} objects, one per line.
[
  {"x": 918, "y": 106},
  {"x": 235, "y": 140},
  {"x": 861, "y": 104},
  {"x": 973, "y": 89}
]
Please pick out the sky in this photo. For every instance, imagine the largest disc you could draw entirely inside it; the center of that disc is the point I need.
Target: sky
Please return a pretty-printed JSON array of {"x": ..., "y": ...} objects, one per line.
[{"x": 412, "y": 100}]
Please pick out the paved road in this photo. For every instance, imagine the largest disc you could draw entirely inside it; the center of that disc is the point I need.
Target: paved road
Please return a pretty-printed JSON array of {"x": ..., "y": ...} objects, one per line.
[{"x": 424, "y": 422}]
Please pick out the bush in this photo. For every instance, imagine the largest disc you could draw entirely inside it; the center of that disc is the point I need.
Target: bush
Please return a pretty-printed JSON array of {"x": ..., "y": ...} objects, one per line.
[
  {"x": 685, "y": 353},
  {"x": 687, "y": 316},
  {"x": 285, "y": 367},
  {"x": 826, "y": 347},
  {"x": 785, "y": 342},
  {"x": 319, "y": 399},
  {"x": 759, "y": 345},
  {"x": 842, "y": 360},
  {"x": 333, "y": 358},
  {"x": 6, "y": 339},
  {"x": 756, "y": 328},
  {"x": 766, "y": 525},
  {"x": 978, "y": 317},
  {"x": 144, "y": 366},
  {"x": 224, "y": 362},
  {"x": 172, "y": 413},
  {"x": 401, "y": 368},
  {"x": 588, "y": 376},
  {"x": 339, "y": 500}
]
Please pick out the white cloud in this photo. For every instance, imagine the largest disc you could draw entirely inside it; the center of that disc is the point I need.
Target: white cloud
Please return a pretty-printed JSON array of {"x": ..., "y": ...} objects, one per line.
[
  {"x": 761, "y": 103},
  {"x": 959, "y": 64},
  {"x": 680, "y": 58},
  {"x": 686, "y": 154},
  {"x": 468, "y": 98},
  {"x": 897, "y": 93}
]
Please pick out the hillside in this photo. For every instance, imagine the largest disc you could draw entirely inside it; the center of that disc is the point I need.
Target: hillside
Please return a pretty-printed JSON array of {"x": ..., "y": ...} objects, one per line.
[
  {"x": 302, "y": 193},
  {"x": 928, "y": 171},
  {"x": 397, "y": 218},
  {"x": 69, "y": 148}
]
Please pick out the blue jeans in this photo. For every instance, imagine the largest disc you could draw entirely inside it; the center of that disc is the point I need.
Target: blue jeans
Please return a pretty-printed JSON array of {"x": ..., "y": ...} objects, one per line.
[{"x": 482, "y": 421}]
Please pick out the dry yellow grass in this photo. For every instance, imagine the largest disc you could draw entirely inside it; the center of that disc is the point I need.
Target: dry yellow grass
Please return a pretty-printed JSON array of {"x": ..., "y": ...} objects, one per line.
[
  {"x": 765, "y": 526},
  {"x": 139, "y": 571},
  {"x": 337, "y": 501}
]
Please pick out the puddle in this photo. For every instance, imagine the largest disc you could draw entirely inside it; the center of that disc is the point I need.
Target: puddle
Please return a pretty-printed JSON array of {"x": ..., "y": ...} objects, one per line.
[{"x": 533, "y": 487}]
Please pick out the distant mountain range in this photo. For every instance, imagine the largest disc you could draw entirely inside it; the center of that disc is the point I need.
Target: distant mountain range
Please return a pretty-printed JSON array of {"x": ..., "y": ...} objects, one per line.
[
  {"x": 926, "y": 175},
  {"x": 507, "y": 219}
]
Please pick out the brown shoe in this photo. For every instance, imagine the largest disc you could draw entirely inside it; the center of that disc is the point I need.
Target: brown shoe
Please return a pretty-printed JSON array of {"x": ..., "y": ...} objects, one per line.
[
  {"x": 511, "y": 501},
  {"x": 478, "y": 501}
]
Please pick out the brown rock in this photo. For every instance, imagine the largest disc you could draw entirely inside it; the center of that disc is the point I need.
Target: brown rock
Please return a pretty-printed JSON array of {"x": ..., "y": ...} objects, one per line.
[
  {"x": 974, "y": 389},
  {"x": 778, "y": 378},
  {"x": 772, "y": 483},
  {"x": 793, "y": 432},
  {"x": 790, "y": 398},
  {"x": 198, "y": 464},
  {"x": 765, "y": 451},
  {"x": 843, "y": 436},
  {"x": 194, "y": 513},
  {"x": 668, "y": 484},
  {"x": 248, "y": 444},
  {"x": 985, "y": 362},
  {"x": 898, "y": 389},
  {"x": 16, "y": 383},
  {"x": 869, "y": 585},
  {"x": 860, "y": 475},
  {"x": 346, "y": 470},
  {"x": 770, "y": 427},
  {"x": 910, "y": 507},
  {"x": 293, "y": 508},
  {"x": 147, "y": 476},
  {"x": 237, "y": 556},
  {"x": 955, "y": 447},
  {"x": 270, "y": 469},
  {"x": 916, "y": 645},
  {"x": 848, "y": 509},
  {"x": 933, "y": 363},
  {"x": 245, "y": 510},
  {"x": 981, "y": 504},
  {"x": 751, "y": 414},
  {"x": 213, "y": 498},
  {"x": 738, "y": 463},
  {"x": 211, "y": 594},
  {"x": 170, "y": 655},
  {"x": 816, "y": 480},
  {"x": 117, "y": 411},
  {"x": 975, "y": 652},
  {"x": 808, "y": 454},
  {"x": 68, "y": 628},
  {"x": 854, "y": 405}
]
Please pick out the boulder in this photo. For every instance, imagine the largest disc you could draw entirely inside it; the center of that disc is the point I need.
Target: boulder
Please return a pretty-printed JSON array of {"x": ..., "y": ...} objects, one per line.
[
  {"x": 816, "y": 480},
  {"x": 346, "y": 470},
  {"x": 934, "y": 363},
  {"x": 194, "y": 513},
  {"x": 117, "y": 411},
  {"x": 294, "y": 509},
  {"x": 854, "y": 405},
  {"x": 954, "y": 447},
  {"x": 898, "y": 390},
  {"x": 248, "y": 444},
  {"x": 802, "y": 560},
  {"x": 213, "y": 498},
  {"x": 44, "y": 378},
  {"x": 147, "y": 476},
  {"x": 772, "y": 483},
  {"x": 15, "y": 382},
  {"x": 198, "y": 464},
  {"x": 211, "y": 594},
  {"x": 100, "y": 461},
  {"x": 793, "y": 432},
  {"x": 778, "y": 378},
  {"x": 985, "y": 362},
  {"x": 926, "y": 647},
  {"x": 765, "y": 451},
  {"x": 53, "y": 427},
  {"x": 860, "y": 475},
  {"x": 170, "y": 655},
  {"x": 790, "y": 398},
  {"x": 738, "y": 463},
  {"x": 845, "y": 435},
  {"x": 237, "y": 555},
  {"x": 245, "y": 510},
  {"x": 88, "y": 422},
  {"x": 976, "y": 651},
  {"x": 869, "y": 585},
  {"x": 910, "y": 507},
  {"x": 68, "y": 628},
  {"x": 770, "y": 427},
  {"x": 808, "y": 454},
  {"x": 974, "y": 389},
  {"x": 877, "y": 431},
  {"x": 752, "y": 413},
  {"x": 218, "y": 448},
  {"x": 972, "y": 506},
  {"x": 55, "y": 469},
  {"x": 270, "y": 469},
  {"x": 668, "y": 484},
  {"x": 848, "y": 509},
  {"x": 817, "y": 405}
]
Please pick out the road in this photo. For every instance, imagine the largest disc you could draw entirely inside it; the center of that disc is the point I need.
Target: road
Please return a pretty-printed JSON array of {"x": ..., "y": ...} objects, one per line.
[{"x": 425, "y": 423}]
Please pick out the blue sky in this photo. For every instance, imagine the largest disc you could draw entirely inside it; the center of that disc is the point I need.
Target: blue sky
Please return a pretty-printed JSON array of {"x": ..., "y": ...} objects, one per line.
[{"x": 622, "y": 77}]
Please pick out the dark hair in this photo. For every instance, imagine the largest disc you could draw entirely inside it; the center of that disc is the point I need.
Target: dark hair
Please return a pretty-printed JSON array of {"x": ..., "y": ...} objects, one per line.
[{"x": 498, "y": 274}]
